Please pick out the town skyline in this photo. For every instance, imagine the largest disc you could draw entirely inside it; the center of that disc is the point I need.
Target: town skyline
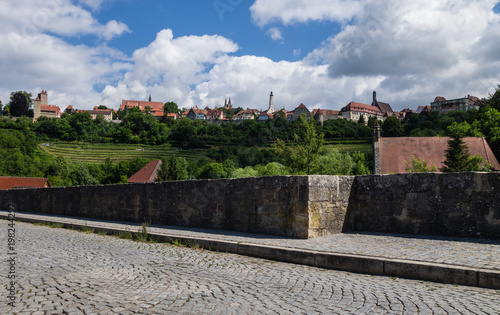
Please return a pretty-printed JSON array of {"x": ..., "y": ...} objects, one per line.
[{"x": 322, "y": 53}]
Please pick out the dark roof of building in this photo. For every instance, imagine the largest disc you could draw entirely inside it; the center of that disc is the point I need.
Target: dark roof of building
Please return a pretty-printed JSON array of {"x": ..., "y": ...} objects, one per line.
[
  {"x": 384, "y": 107},
  {"x": 23, "y": 182},
  {"x": 396, "y": 152},
  {"x": 148, "y": 174}
]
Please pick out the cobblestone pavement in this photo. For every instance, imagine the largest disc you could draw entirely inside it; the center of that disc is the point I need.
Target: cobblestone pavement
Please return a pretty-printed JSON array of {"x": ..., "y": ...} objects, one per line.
[
  {"x": 474, "y": 253},
  {"x": 63, "y": 271}
]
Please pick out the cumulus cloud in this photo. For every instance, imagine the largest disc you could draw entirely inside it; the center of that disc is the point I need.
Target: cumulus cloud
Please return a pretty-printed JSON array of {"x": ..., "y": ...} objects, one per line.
[
  {"x": 59, "y": 17},
  {"x": 35, "y": 55},
  {"x": 422, "y": 48},
  {"x": 275, "y": 33},
  {"x": 201, "y": 71},
  {"x": 171, "y": 66},
  {"x": 291, "y": 11}
]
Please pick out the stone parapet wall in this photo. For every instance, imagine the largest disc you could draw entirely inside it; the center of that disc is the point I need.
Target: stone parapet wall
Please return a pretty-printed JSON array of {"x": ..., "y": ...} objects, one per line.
[
  {"x": 465, "y": 204},
  {"x": 456, "y": 204},
  {"x": 267, "y": 205}
]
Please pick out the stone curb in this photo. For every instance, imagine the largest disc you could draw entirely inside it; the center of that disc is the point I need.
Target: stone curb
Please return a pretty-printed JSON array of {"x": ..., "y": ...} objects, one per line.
[{"x": 409, "y": 269}]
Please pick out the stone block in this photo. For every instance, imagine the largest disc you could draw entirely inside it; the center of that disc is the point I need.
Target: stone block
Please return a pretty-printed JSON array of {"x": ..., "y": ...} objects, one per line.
[
  {"x": 352, "y": 263},
  {"x": 489, "y": 279},
  {"x": 431, "y": 272}
]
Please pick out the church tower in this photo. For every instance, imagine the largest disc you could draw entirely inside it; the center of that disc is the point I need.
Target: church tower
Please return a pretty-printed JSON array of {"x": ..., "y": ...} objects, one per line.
[
  {"x": 271, "y": 109},
  {"x": 37, "y": 104}
]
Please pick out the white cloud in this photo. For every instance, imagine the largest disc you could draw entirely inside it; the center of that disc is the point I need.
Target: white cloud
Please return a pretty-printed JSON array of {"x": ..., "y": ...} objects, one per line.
[
  {"x": 423, "y": 48},
  {"x": 169, "y": 66},
  {"x": 291, "y": 11},
  {"x": 35, "y": 56},
  {"x": 275, "y": 33},
  {"x": 59, "y": 17},
  {"x": 93, "y": 4},
  {"x": 199, "y": 70}
]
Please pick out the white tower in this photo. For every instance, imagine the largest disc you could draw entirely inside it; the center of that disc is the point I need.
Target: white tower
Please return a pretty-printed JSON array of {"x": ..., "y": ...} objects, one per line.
[{"x": 271, "y": 104}]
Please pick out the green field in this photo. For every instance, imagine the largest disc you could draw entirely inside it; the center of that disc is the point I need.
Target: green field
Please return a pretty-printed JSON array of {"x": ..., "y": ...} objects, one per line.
[{"x": 97, "y": 153}]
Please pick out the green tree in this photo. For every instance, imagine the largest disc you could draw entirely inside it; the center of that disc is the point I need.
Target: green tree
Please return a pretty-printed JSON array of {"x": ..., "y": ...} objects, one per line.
[
  {"x": 458, "y": 158},
  {"x": 102, "y": 107},
  {"x": 173, "y": 168},
  {"x": 372, "y": 121},
  {"x": 82, "y": 177},
  {"x": 392, "y": 127},
  {"x": 1, "y": 106},
  {"x": 301, "y": 154},
  {"x": 494, "y": 99},
  {"x": 419, "y": 166},
  {"x": 20, "y": 103},
  {"x": 170, "y": 108},
  {"x": 361, "y": 119},
  {"x": 213, "y": 171},
  {"x": 244, "y": 172},
  {"x": 6, "y": 110}
]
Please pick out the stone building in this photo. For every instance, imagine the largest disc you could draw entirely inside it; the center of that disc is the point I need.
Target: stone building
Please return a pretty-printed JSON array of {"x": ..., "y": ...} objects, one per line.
[
  {"x": 301, "y": 110},
  {"x": 41, "y": 108},
  {"x": 353, "y": 111},
  {"x": 444, "y": 106}
]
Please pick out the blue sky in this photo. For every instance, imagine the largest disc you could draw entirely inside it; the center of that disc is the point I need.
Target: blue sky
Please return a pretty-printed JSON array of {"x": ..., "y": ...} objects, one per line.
[{"x": 323, "y": 53}]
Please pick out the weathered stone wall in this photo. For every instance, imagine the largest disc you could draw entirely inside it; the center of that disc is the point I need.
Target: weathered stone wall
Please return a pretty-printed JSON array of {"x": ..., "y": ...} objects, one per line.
[
  {"x": 328, "y": 202},
  {"x": 458, "y": 204},
  {"x": 465, "y": 204},
  {"x": 268, "y": 205}
]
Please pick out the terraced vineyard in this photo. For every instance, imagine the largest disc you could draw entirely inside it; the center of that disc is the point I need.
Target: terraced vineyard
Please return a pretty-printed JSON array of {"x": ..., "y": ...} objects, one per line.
[
  {"x": 353, "y": 147},
  {"x": 97, "y": 153}
]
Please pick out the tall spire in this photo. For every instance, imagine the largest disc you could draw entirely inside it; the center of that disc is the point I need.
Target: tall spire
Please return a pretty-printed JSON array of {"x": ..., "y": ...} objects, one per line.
[
  {"x": 149, "y": 97},
  {"x": 374, "y": 96},
  {"x": 271, "y": 104}
]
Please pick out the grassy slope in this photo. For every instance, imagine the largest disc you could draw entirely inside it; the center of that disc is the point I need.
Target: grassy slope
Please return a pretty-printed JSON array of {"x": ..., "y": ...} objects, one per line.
[{"x": 97, "y": 153}]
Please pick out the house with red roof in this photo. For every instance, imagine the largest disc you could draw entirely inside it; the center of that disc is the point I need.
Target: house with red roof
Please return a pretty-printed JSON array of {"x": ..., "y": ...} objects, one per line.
[
  {"x": 41, "y": 108},
  {"x": 148, "y": 174},
  {"x": 7, "y": 183},
  {"x": 353, "y": 111}
]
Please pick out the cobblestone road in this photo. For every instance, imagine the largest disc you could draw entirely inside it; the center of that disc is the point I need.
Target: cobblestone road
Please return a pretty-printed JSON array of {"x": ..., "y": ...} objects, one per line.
[{"x": 63, "y": 271}]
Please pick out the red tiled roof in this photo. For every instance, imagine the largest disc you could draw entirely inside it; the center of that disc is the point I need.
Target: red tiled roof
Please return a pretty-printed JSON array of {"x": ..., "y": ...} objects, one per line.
[
  {"x": 148, "y": 174},
  {"x": 50, "y": 108},
  {"x": 354, "y": 106},
  {"x": 23, "y": 182},
  {"x": 394, "y": 152},
  {"x": 325, "y": 112},
  {"x": 439, "y": 99},
  {"x": 141, "y": 104},
  {"x": 384, "y": 107}
]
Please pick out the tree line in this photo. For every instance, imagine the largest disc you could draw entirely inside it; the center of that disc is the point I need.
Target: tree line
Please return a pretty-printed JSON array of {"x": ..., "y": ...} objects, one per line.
[{"x": 250, "y": 148}]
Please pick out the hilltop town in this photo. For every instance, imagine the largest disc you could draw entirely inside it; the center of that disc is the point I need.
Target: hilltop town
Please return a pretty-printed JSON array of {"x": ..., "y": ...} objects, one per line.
[{"x": 354, "y": 111}]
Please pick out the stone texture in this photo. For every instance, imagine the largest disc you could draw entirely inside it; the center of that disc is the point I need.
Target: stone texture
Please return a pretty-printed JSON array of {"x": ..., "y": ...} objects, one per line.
[
  {"x": 463, "y": 204},
  {"x": 458, "y": 204}
]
